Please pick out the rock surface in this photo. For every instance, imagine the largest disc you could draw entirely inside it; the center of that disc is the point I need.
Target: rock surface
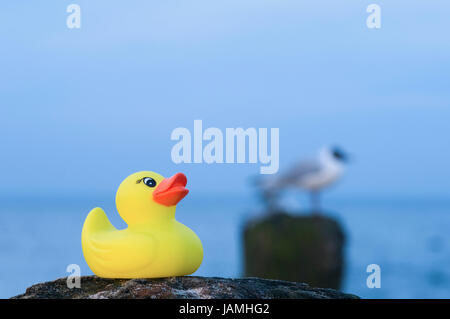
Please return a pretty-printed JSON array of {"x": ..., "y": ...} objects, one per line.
[
  {"x": 180, "y": 288},
  {"x": 295, "y": 248}
]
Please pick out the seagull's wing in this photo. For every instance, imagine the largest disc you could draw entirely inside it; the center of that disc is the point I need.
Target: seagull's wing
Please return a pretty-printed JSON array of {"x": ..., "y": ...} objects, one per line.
[
  {"x": 293, "y": 176},
  {"x": 298, "y": 172}
]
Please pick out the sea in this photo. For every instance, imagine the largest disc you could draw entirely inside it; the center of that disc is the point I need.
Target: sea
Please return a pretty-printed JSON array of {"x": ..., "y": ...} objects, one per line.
[{"x": 407, "y": 237}]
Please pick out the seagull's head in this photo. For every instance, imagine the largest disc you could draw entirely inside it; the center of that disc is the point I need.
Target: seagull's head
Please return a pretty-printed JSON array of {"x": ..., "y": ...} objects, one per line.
[{"x": 339, "y": 154}]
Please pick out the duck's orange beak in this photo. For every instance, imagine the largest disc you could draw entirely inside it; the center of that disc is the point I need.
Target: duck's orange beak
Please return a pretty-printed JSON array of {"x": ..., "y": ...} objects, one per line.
[{"x": 171, "y": 190}]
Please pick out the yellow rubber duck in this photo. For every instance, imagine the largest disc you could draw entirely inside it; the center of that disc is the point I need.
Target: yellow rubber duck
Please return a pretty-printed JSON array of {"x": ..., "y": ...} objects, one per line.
[{"x": 154, "y": 244}]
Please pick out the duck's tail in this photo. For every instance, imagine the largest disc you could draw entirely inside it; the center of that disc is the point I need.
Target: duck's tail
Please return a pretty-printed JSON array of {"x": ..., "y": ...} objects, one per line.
[{"x": 96, "y": 222}]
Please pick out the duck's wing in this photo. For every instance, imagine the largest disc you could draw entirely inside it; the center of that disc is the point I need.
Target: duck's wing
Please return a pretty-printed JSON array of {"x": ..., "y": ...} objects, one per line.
[
  {"x": 121, "y": 254},
  {"x": 114, "y": 253}
]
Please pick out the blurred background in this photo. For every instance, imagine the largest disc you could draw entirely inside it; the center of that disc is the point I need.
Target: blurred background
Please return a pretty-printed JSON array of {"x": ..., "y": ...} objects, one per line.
[{"x": 81, "y": 109}]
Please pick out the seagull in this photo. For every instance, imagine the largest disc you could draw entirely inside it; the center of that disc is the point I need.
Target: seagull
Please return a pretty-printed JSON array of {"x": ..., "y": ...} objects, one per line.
[{"x": 311, "y": 175}]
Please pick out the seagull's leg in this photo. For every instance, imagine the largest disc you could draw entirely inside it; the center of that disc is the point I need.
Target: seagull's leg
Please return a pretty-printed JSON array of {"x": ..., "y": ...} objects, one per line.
[
  {"x": 270, "y": 199},
  {"x": 315, "y": 202}
]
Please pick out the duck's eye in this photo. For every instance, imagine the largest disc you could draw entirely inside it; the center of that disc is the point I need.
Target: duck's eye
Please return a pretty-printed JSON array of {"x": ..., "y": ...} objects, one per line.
[{"x": 150, "y": 182}]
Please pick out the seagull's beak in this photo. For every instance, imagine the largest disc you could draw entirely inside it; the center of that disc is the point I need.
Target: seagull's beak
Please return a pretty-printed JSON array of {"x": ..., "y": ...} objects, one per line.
[
  {"x": 347, "y": 158},
  {"x": 171, "y": 190}
]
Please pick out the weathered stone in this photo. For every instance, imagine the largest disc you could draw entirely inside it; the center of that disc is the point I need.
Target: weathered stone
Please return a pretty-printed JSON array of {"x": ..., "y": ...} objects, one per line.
[
  {"x": 295, "y": 248},
  {"x": 180, "y": 288}
]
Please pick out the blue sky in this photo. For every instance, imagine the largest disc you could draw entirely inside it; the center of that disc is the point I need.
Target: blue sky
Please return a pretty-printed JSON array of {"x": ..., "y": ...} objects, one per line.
[{"x": 82, "y": 109}]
